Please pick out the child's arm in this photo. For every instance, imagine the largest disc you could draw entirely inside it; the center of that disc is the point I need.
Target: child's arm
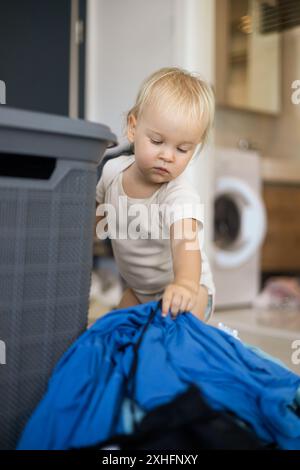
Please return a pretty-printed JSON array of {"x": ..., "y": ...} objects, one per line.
[{"x": 181, "y": 295}]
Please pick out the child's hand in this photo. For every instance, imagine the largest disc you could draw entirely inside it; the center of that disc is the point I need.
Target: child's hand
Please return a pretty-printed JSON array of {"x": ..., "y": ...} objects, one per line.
[{"x": 179, "y": 298}]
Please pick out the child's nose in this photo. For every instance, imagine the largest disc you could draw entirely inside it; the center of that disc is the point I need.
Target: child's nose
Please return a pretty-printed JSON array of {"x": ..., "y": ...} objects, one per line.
[{"x": 167, "y": 154}]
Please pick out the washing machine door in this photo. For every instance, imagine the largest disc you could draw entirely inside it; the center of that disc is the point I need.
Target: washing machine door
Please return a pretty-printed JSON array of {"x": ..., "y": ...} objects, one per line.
[{"x": 239, "y": 223}]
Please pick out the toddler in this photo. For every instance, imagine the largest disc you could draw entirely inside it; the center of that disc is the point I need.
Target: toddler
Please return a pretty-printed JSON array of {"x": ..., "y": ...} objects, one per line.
[{"x": 161, "y": 256}]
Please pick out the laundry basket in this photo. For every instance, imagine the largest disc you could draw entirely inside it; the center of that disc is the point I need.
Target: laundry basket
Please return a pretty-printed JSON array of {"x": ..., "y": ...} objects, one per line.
[{"x": 48, "y": 172}]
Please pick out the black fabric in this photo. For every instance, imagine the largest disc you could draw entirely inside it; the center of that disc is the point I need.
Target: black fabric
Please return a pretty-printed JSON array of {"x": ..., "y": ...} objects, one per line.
[{"x": 187, "y": 422}]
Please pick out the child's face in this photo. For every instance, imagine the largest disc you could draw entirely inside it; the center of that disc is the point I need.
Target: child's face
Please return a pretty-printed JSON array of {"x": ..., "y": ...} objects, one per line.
[{"x": 162, "y": 141}]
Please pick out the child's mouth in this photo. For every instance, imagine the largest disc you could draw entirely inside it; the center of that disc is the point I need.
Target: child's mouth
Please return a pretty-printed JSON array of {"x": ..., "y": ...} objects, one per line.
[{"x": 162, "y": 170}]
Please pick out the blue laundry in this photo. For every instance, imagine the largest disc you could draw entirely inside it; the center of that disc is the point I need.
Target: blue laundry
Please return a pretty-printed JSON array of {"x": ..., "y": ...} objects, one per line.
[{"x": 86, "y": 392}]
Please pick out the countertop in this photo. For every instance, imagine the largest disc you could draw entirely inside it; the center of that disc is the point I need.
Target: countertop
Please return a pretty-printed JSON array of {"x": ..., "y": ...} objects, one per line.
[{"x": 280, "y": 171}]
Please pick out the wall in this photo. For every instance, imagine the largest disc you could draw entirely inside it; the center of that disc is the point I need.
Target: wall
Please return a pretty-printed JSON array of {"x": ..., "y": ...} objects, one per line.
[
  {"x": 277, "y": 137},
  {"x": 127, "y": 40}
]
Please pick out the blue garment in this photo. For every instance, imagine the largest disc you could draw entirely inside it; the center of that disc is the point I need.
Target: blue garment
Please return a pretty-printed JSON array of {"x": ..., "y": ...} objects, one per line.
[
  {"x": 85, "y": 394},
  {"x": 265, "y": 355}
]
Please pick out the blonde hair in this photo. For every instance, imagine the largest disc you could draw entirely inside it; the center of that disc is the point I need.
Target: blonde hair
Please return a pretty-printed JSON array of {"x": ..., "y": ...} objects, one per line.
[{"x": 181, "y": 92}]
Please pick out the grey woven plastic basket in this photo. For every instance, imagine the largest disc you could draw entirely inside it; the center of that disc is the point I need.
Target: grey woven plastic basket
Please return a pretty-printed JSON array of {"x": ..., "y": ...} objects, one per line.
[{"x": 48, "y": 172}]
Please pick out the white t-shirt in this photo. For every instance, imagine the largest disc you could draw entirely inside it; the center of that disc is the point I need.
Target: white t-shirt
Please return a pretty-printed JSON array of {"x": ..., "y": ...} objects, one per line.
[{"x": 146, "y": 263}]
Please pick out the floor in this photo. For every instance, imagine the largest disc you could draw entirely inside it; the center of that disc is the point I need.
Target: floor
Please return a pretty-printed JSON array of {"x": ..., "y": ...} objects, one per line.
[{"x": 273, "y": 331}]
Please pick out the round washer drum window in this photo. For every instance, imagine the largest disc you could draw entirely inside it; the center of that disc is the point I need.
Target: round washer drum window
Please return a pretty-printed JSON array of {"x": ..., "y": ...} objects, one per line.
[{"x": 227, "y": 222}]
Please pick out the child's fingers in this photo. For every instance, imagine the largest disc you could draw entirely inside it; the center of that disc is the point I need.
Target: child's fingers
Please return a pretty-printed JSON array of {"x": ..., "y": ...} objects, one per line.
[
  {"x": 185, "y": 304},
  {"x": 192, "y": 303},
  {"x": 166, "y": 302},
  {"x": 176, "y": 304}
]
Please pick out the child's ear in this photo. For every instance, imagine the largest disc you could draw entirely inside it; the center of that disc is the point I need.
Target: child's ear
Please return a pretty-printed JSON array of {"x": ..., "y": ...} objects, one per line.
[{"x": 131, "y": 125}]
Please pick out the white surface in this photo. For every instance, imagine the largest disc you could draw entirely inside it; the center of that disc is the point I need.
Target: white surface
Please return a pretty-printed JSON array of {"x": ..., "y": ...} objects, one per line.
[{"x": 127, "y": 40}]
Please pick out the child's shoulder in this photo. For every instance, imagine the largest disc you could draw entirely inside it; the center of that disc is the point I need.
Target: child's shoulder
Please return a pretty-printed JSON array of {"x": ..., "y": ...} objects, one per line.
[
  {"x": 179, "y": 188},
  {"x": 114, "y": 166},
  {"x": 118, "y": 163}
]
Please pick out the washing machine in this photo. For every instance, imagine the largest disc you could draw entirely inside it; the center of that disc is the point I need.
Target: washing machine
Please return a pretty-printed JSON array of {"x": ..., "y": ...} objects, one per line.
[{"x": 239, "y": 227}]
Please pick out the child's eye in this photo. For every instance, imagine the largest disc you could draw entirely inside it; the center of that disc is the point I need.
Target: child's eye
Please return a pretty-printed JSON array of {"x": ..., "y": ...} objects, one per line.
[
  {"x": 182, "y": 150},
  {"x": 156, "y": 142}
]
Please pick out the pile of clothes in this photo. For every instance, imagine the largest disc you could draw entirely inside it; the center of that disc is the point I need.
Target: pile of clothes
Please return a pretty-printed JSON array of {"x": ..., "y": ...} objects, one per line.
[{"x": 141, "y": 380}]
